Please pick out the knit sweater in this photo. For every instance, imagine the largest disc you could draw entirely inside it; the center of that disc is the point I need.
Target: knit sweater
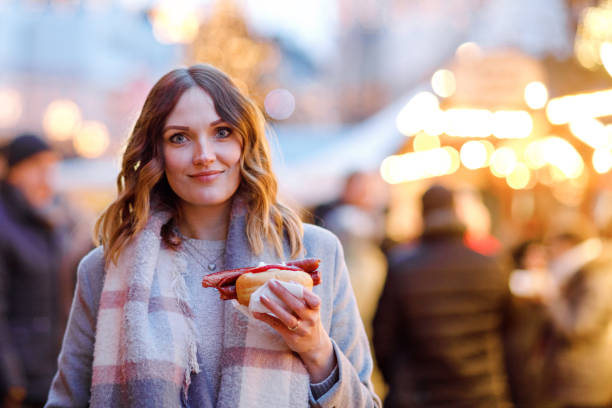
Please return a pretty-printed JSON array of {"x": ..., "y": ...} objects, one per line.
[{"x": 339, "y": 316}]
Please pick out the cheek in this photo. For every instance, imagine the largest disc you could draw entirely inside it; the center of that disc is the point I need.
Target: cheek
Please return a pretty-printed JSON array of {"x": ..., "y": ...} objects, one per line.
[
  {"x": 172, "y": 163},
  {"x": 231, "y": 155}
]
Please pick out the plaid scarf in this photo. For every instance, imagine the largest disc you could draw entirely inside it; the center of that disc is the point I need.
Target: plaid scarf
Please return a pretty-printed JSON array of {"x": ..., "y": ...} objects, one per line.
[{"x": 145, "y": 348}]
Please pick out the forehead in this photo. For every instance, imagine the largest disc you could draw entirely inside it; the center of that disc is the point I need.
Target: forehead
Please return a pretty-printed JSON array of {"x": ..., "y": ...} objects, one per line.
[{"x": 194, "y": 107}]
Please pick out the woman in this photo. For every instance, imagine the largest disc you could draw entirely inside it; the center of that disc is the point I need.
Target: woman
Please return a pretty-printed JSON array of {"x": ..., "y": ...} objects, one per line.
[{"x": 197, "y": 195}]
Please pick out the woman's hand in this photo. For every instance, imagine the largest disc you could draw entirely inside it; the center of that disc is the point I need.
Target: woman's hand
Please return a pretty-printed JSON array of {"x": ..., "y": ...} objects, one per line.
[{"x": 301, "y": 329}]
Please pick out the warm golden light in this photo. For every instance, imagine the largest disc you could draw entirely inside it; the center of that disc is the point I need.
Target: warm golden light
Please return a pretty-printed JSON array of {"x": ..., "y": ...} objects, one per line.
[
  {"x": 423, "y": 141},
  {"x": 420, "y": 111},
  {"x": 602, "y": 160},
  {"x": 11, "y": 107},
  {"x": 61, "y": 119},
  {"x": 586, "y": 54},
  {"x": 443, "y": 83},
  {"x": 591, "y": 132},
  {"x": 91, "y": 140},
  {"x": 468, "y": 122},
  {"x": 474, "y": 154},
  {"x": 562, "y": 155},
  {"x": 503, "y": 161},
  {"x": 512, "y": 124},
  {"x": 605, "y": 53},
  {"x": 455, "y": 160},
  {"x": 536, "y": 95},
  {"x": 520, "y": 177},
  {"x": 174, "y": 22},
  {"x": 589, "y": 105},
  {"x": 535, "y": 156},
  {"x": 419, "y": 165}
]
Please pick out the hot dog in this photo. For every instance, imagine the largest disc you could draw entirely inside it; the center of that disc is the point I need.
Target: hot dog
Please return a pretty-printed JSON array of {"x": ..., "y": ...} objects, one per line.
[{"x": 303, "y": 271}]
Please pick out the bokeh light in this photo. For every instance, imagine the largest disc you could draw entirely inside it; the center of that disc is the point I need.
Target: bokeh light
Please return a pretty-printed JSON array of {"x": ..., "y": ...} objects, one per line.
[
  {"x": 423, "y": 141},
  {"x": 91, "y": 140},
  {"x": 455, "y": 159},
  {"x": 535, "y": 156},
  {"x": 605, "y": 53},
  {"x": 419, "y": 165},
  {"x": 468, "y": 122},
  {"x": 563, "y": 156},
  {"x": 602, "y": 160},
  {"x": 588, "y": 105},
  {"x": 61, "y": 119},
  {"x": 520, "y": 177},
  {"x": 512, "y": 124},
  {"x": 468, "y": 50},
  {"x": 422, "y": 109},
  {"x": 474, "y": 154},
  {"x": 443, "y": 83},
  {"x": 11, "y": 107},
  {"x": 174, "y": 22},
  {"x": 503, "y": 161},
  {"x": 591, "y": 132},
  {"x": 279, "y": 104},
  {"x": 536, "y": 95}
]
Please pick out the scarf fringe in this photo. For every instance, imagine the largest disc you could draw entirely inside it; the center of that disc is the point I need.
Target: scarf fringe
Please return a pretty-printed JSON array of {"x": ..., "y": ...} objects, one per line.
[{"x": 182, "y": 299}]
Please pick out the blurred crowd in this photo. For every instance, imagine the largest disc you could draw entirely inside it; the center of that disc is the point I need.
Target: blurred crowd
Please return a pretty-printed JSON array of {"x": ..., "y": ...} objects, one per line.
[
  {"x": 456, "y": 318},
  {"x": 459, "y": 319}
]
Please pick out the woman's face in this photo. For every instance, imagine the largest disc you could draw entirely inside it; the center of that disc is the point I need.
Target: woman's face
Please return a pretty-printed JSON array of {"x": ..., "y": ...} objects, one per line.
[{"x": 201, "y": 152}]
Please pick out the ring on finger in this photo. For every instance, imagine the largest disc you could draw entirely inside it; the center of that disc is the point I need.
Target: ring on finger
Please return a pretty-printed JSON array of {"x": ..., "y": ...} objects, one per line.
[{"x": 294, "y": 328}]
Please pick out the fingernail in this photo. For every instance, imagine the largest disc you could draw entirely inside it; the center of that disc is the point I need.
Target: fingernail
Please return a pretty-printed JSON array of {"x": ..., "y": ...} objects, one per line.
[{"x": 265, "y": 298}]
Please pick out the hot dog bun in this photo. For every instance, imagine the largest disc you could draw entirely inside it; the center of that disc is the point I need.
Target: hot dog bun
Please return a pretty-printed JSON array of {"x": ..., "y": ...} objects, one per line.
[{"x": 248, "y": 283}]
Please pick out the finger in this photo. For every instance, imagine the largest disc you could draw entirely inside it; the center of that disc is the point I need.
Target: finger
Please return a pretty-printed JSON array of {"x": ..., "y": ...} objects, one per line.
[
  {"x": 278, "y": 325},
  {"x": 284, "y": 316},
  {"x": 270, "y": 320},
  {"x": 312, "y": 300},
  {"x": 295, "y": 304}
]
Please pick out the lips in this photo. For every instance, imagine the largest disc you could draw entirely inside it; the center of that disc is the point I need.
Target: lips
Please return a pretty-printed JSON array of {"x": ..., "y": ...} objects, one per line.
[{"x": 208, "y": 175}]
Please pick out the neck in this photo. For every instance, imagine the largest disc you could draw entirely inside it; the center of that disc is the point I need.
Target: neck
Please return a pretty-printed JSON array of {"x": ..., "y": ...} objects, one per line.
[{"x": 209, "y": 223}]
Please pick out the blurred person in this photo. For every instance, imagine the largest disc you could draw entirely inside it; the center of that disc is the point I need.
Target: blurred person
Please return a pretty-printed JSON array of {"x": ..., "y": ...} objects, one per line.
[
  {"x": 30, "y": 273},
  {"x": 357, "y": 218},
  {"x": 438, "y": 327},
  {"x": 578, "y": 367},
  {"x": 527, "y": 333},
  {"x": 197, "y": 195}
]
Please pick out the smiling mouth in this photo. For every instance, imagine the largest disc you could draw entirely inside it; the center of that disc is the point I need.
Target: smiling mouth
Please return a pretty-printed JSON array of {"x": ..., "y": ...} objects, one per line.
[{"x": 206, "y": 175}]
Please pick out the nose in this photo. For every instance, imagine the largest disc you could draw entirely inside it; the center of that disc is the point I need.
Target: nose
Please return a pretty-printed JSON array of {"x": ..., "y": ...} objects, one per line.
[{"x": 204, "y": 153}]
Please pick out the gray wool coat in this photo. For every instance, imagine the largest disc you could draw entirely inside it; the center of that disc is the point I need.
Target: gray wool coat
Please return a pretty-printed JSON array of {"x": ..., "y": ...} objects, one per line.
[{"x": 339, "y": 316}]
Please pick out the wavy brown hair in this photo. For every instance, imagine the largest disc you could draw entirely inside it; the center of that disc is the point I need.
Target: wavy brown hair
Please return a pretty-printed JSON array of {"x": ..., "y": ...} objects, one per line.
[{"x": 142, "y": 179}]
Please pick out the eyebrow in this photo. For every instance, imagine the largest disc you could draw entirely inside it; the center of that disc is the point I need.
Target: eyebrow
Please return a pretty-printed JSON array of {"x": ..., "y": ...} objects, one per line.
[{"x": 186, "y": 128}]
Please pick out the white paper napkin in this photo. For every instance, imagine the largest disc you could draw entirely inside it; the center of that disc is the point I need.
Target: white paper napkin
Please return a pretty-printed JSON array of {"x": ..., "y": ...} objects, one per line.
[{"x": 255, "y": 304}]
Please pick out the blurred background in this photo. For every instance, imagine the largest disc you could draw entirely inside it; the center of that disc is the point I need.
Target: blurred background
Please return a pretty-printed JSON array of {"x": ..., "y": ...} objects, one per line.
[
  {"x": 507, "y": 98},
  {"x": 508, "y": 102}
]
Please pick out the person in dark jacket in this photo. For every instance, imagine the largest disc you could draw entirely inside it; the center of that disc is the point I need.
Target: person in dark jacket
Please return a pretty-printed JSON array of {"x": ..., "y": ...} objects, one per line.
[
  {"x": 578, "y": 364},
  {"x": 30, "y": 260},
  {"x": 437, "y": 330}
]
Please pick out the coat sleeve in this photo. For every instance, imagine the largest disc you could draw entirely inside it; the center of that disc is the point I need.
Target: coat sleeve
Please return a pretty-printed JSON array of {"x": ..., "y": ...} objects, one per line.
[
  {"x": 354, "y": 387},
  {"x": 72, "y": 382},
  {"x": 11, "y": 370}
]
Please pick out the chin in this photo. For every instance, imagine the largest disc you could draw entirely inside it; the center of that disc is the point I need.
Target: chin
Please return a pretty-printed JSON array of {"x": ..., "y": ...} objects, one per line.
[{"x": 209, "y": 200}]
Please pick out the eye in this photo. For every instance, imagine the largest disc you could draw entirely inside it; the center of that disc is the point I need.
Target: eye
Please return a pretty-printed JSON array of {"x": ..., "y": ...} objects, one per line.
[
  {"x": 223, "y": 132},
  {"x": 178, "y": 138}
]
